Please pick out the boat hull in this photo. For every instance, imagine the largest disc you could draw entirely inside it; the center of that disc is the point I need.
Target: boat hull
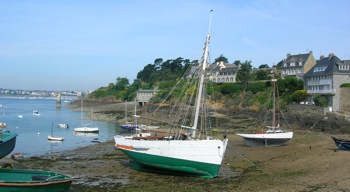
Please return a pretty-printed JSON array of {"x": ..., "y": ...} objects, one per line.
[
  {"x": 129, "y": 127},
  {"x": 342, "y": 144},
  {"x": 201, "y": 158},
  {"x": 87, "y": 129},
  {"x": 52, "y": 138},
  {"x": 31, "y": 180},
  {"x": 266, "y": 139},
  {"x": 63, "y": 125},
  {"x": 7, "y": 143}
]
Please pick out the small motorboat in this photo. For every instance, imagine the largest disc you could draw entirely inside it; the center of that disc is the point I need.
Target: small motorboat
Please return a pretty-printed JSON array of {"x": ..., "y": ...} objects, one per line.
[
  {"x": 63, "y": 125},
  {"x": 32, "y": 180},
  {"x": 36, "y": 113}
]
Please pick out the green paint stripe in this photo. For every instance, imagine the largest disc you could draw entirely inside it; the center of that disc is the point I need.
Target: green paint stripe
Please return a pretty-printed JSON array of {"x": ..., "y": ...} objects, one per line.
[{"x": 158, "y": 163}]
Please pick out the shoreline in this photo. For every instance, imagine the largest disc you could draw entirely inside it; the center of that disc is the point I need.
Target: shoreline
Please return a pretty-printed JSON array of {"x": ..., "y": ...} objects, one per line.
[{"x": 309, "y": 161}]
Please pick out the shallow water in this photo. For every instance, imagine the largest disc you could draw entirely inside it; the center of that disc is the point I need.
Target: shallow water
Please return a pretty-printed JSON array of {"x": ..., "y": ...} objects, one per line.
[{"x": 33, "y": 131}]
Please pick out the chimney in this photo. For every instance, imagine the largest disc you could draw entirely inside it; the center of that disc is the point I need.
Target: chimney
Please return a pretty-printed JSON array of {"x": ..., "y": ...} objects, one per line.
[
  {"x": 331, "y": 55},
  {"x": 322, "y": 56}
]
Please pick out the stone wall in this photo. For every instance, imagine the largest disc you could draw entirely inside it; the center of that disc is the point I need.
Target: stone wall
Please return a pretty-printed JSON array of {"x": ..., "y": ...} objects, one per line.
[{"x": 345, "y": 99}]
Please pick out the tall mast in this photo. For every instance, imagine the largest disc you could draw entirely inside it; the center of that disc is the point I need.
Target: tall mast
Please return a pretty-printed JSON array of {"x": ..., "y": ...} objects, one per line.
[
  {"x": 274, "y": 104},
  {"x": 202, "y": 73}
]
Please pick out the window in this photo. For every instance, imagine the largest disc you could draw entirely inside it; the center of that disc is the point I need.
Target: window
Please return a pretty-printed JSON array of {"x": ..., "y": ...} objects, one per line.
[
  {"x": 343, "y": 67},
  {"x": 319, "y": 69},
  {"x": 292, "y": 64}
]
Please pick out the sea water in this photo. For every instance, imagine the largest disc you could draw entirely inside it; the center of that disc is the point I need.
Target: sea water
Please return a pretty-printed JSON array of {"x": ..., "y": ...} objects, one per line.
[{"x": 33, "y": 131}]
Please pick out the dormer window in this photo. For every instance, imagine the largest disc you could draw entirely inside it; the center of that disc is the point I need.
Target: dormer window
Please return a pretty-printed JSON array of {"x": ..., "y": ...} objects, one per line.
[
  {"x": 319, "y": 69},
  {"x": 292, "y": 64},
  {"x": 343, "y": 67},
  {"x": 300, "y": 63}
]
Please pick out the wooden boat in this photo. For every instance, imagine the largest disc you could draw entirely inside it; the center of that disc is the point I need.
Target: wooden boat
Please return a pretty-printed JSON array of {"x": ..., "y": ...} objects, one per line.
[
  {"x": 342, "y": 144},
  {"x": 7, "y": 142},
  {"x": 33, "y": 181},
  {"x": 195, "y": 154},
  {"x": 274, "y": 136},
  {"x": 63, "y": 125}
]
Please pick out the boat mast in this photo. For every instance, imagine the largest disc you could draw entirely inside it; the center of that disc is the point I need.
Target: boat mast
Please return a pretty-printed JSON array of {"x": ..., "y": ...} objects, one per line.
[
  {"x": 274, "y": 104},
  {"x": 202, "y": 73}
]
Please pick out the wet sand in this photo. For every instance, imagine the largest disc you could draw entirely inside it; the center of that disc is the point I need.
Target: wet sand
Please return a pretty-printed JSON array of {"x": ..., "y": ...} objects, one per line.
[{"x": 310, "y": 162}]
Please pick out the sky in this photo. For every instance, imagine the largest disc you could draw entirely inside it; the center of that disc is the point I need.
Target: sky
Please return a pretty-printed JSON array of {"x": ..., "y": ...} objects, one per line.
[{"x": 87, "y": 44}]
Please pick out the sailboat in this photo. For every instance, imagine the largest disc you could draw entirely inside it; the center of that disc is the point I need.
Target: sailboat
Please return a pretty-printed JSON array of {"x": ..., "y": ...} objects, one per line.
[
  {"x": 129, "y": 125},
  {"x": 189, "y": 150},
  {"x": 85, "y": 129},
  {"x": 53, "y": 138},
  {"x": 274, "y": 136}
]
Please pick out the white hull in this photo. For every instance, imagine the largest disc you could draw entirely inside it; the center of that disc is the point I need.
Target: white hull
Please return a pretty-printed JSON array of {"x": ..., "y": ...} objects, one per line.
[
  {"x": 63, "y": 125},
  {"x": 52, "y": 138},
  {"x": 266, "y": 139},
  {"x": 86, "y": 129},
  {"x": 148, "y": 127},
  {"x": 204, "y": 151},
  {"x": 284, "y": 135}
]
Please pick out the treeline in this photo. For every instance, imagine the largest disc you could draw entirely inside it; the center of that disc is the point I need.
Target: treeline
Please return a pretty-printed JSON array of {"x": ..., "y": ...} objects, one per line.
[
  {"x": 159, "y": 75},
  {"x": 251, "y": 89}
]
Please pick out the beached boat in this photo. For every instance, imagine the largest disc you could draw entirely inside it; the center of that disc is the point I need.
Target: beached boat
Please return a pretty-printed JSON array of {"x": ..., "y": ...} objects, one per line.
[
  {"x": 186, "y": 151},
  {"x": 85, "y": 129},
  {"x": 342, "y": 144},
  {"x": 274, "y": 136},
  {"x": 63, "y": 125},
  {"x": 33, "y": 181},
  {"x": 7, "y": 142}
]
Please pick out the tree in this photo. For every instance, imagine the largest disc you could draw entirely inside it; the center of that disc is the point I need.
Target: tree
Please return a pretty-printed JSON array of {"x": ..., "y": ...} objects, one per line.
[
  {"x": 244, "y": 73},
  {"x": 221, "y": 58},
  {"x": 320, "y": 100},
  {"x": 264, "y": 66},
  {"x": 237, "y": 62},
  {"x": 299, "y": 95},
  {"x": 262, "y": 75}
]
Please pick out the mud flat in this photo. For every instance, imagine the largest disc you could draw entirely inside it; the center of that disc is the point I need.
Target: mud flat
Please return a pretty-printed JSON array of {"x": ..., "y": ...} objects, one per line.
[{"x": 310, "y": 162}]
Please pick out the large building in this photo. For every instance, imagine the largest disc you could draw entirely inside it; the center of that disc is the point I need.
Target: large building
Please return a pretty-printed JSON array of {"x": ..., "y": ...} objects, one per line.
[
  {"x": 221, "y": 72},
  {"x": 326, "y": 77},
  {"x": 297, "y": 65}
]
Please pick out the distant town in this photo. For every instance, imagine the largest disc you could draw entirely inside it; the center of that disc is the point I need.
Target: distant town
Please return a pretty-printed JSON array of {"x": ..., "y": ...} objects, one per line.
[{"x": 41, "y": 93}]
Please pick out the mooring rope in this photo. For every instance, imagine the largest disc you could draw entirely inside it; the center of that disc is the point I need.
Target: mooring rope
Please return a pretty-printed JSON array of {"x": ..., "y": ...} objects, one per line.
[{"x": 240, "y": 154}]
